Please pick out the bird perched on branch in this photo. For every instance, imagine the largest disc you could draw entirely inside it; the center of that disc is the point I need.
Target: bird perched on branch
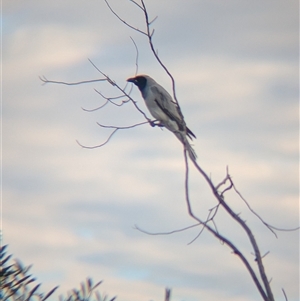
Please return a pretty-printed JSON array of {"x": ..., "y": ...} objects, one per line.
[{"x": 164, "y": 109}]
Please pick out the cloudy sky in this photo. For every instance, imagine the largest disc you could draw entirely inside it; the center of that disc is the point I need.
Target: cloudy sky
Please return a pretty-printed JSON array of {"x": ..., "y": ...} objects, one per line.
[{"x": 71, "y": 211}]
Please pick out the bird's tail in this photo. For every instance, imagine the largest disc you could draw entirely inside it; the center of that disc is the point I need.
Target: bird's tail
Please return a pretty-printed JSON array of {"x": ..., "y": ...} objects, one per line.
[
  {"x": 191, "y": 151},
  {"x": 182, "y": 137}
]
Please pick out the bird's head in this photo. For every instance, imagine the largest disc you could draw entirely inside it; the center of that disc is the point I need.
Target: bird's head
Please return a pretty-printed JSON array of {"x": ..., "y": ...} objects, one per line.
[{"x": 140, "y": 81}]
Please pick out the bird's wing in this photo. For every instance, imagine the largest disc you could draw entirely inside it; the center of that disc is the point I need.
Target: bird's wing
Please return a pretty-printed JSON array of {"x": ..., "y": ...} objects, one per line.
[{"x": 166, "y": 103}]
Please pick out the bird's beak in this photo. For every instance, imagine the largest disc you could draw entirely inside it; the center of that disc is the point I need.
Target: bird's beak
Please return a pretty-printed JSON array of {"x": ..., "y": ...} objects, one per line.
[{"x": 131, "y": 79}]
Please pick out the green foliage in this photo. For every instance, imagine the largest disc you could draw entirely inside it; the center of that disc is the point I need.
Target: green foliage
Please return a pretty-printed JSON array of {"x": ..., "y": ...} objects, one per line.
[
  {"x": 16, "y": 284},
  {"x": 87, "y": 292}
]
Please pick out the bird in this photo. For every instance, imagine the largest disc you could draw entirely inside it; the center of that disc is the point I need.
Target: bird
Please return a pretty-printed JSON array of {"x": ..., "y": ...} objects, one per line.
[{"x": 164, "y": 109}]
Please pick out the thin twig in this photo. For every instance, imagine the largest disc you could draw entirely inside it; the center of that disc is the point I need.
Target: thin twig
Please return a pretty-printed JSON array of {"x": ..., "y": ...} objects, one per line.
[
  {"x": 150, "y": 36},
  {"x": 116, "y": 128},
  {"x": 166, "y": 233},
  {"x": 136, "y": 4},
  {"x": 109, "y": 99},
  {"x": 210, "y": 218},
  {"x": 100, "y": 145},
  {"x": 285, "y": 296},
  {"x": 95, "y": 109},
  {"x": 223, "y": 182},
  {"x": 122, "y": 20},
  {"x": 136, "y": 57},
  {"x": 47, "y": 81},
  {"x": 270, "y": 227},
  {"x": 122, "y": 90},
  {"x": 122, "y": 127}
]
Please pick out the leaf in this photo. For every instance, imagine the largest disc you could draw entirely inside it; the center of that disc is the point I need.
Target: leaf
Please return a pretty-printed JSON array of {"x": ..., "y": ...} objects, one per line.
[
  {"x": 2, "y": 252},
  {"x": 50, "y": 293},
  {"x": 30, "y": 280},
  {"x": 5, "y": 260},
  {"x": 76, "y": 294},
  {"x": 21, "y": 280},
  {"x": 6, "y": 271},
  {"x": 2, "y": 249},
  {"x": 90, "y": 283},
  {"x": 97, "y": 284},
  {"x": 82, "y": 288},
  {"x": 98, "y": 296},
  {"x": 33, "y": 291}
]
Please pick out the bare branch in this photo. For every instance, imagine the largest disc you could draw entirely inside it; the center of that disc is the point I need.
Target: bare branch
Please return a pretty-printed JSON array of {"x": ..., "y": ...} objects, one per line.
[
  {"x": 263, "y": 256},
  {"x": 122, "y": 20},
  {"x": 218, "y": 235},
  {"x": 121, "y": 127},
  {"x": 136, "y": 4},
  {"x": 95, "y": 109},
  {"x": 151, "y": 22},
  {"x": 165, "y": 233},
  {"x": 136, "y": 57},
  {"x": 109, "y": 99},
  {"x": 224, "y": 181},
  {"x": 150, "y": 36},
  {"x": 270, "y": 227},
  {"x": 47, "y": 81},
  {"x": 226, "y": 189},
  {"x": 122, "y": 90},
  {"x": 285, "y": 296},
  {"x": 268, "y": 295},
  {"x": 100, "y": 145},
  {"x": 210, "y": 218},
  {"x": 112, "y": 97},
  {"x": 116, "y": 128}
]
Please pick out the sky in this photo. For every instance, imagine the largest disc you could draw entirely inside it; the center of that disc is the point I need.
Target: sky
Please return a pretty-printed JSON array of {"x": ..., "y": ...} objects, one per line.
[{"x": 71, "y": 212}]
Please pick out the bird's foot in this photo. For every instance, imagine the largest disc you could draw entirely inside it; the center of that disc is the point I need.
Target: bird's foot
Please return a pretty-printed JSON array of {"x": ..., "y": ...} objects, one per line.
[{"x": 156, "y": 123}]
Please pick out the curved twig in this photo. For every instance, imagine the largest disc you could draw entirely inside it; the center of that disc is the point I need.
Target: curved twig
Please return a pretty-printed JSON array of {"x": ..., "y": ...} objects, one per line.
[
  {"x": 284, "y": 294},
  {"x": 100, "y": 145},
  {"x": 136, "y": 4},
  {"x": 210, "y": 218},
  {"x": 116, "y": 128},
  {"x": 166, "y": 233},
  {"x": 122, "y": 127},
  {"x": 123, "y": 21},
  {"x": 95, "y": 109},
  {"x": 109, "y": 99},
  {"x": 270, "y": 227},
  {"x": 155, "y": 53},
  {"x": 136, "y": 57}
]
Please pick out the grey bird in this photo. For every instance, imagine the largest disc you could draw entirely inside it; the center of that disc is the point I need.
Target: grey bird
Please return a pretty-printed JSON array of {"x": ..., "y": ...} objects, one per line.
[{"x": 164, "y": 109}]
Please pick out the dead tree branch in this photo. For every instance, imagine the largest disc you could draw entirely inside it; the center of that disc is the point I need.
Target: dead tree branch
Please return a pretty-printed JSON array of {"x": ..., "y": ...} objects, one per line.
[{"x": 266, "y": 292}]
